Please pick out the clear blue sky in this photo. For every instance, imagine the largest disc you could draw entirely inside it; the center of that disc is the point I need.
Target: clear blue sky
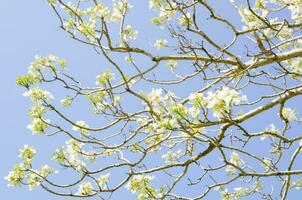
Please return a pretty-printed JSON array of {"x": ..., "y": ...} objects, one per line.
[{"x": 29, "y": 27}]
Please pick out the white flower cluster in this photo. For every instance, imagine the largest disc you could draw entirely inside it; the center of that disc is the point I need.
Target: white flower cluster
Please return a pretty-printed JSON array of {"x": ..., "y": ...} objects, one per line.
[
  {"x": 27, "y": 80},
  {"x": 129, "y": 33},
  {"x": 185, "y": 19},
  {"x": 238, "y": 193},
  {"x": 37, "y": 94},
  {"x": 72, "y": 155},
  {"x": 289, "y": 114},
  {"x": 235, "y": 160},
  {"x": 85, "y": 189},
  {"x": 271, "y": 129},
  {"x": 161, "y": 43},
  {"x": 91, "y": 16},
  {"x": 27, "y": 154},
  {"x": 141, "y": 184},
  {"x": 295, "y": 6},
  {"x": 66, "y": 101},
  {"x": 220, "y": 102},
  {"x": 155, "y": 95},
  {"x": 171, "y": 156},
  {"x": 295, "y": 66},
  {"x": 156, "y": 4},
  {"x": 36, "y": 112},
  {"x": 82, "y": 127},
  {"x": 23, "y": 171},
  {"x": 35, "y": 177},
  {"x": 297, "y": 184},
  {"x": 73, "y": 150},
  {"x": 38, "y": 126},
  {"x": 166, "y": 11},
  {"x": 42, "y": 62},
  {"x": 104, "y": 78},
  {"x": 171, "y": 64},
  {"x": 103, "y": 180},
  {"x": 16, "y": 176}
]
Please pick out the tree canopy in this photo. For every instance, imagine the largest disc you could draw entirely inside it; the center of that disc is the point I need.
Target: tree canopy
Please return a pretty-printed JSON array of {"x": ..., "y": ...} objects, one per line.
[{"x": 203, "y": 103}]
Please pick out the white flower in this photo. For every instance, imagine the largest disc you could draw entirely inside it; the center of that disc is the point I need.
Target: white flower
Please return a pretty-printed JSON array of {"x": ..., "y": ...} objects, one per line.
[
  {"x": 81, "y": 127},
  {"x": 104, "y": 78},
  {"x": 240, "y": 192},
  {"x": 171, "y": 64},
  {"x": 66, "y": 101},
  {"x": 222, "y": 100},
  {"x": 197, "y": 100},
  {"x": 156, "y": 4},
  {"x": 235, "y": 160},
  {"x": 161, "y": 43},
  {"x": 142, "y": 121},
  {"x": 171, "y": 156},
  {"x": 37, "y": 94},
  {"x": 129, "y": 32},
  {"x": 130, "y": 59},
  {"x": 289, "y": 114},
  {"x": 185, "y": 20},
  {"x": 38, "y": 126},
  {"x": 155, "y": 95},
  {"x": 16, "y": 176},
  {"x": 27, "y": 153},
  {"x": 103, "y": 180},
  {"x": 139, "y": 183},
  {"x": 73, "y": 149},
  {"x": 85, "y": 189},
  {"x": 296, "y": 184}
]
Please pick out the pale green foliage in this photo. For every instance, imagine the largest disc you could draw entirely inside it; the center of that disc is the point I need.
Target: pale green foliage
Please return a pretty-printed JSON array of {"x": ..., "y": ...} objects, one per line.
[
  {"x": 26, "y": 80},
  {"x": 52, "y": 2}
]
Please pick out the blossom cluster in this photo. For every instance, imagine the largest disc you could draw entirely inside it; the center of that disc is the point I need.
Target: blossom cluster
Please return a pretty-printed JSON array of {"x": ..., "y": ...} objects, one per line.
[
  {"x": 235, "y": 160},
  {"x": 24, "y": 174},
  {"x": 220, "y": 101}
]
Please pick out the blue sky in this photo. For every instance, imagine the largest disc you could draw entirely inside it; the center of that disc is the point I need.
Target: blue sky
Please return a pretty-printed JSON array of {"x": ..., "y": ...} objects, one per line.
[{"x": 29, "y": 28}]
